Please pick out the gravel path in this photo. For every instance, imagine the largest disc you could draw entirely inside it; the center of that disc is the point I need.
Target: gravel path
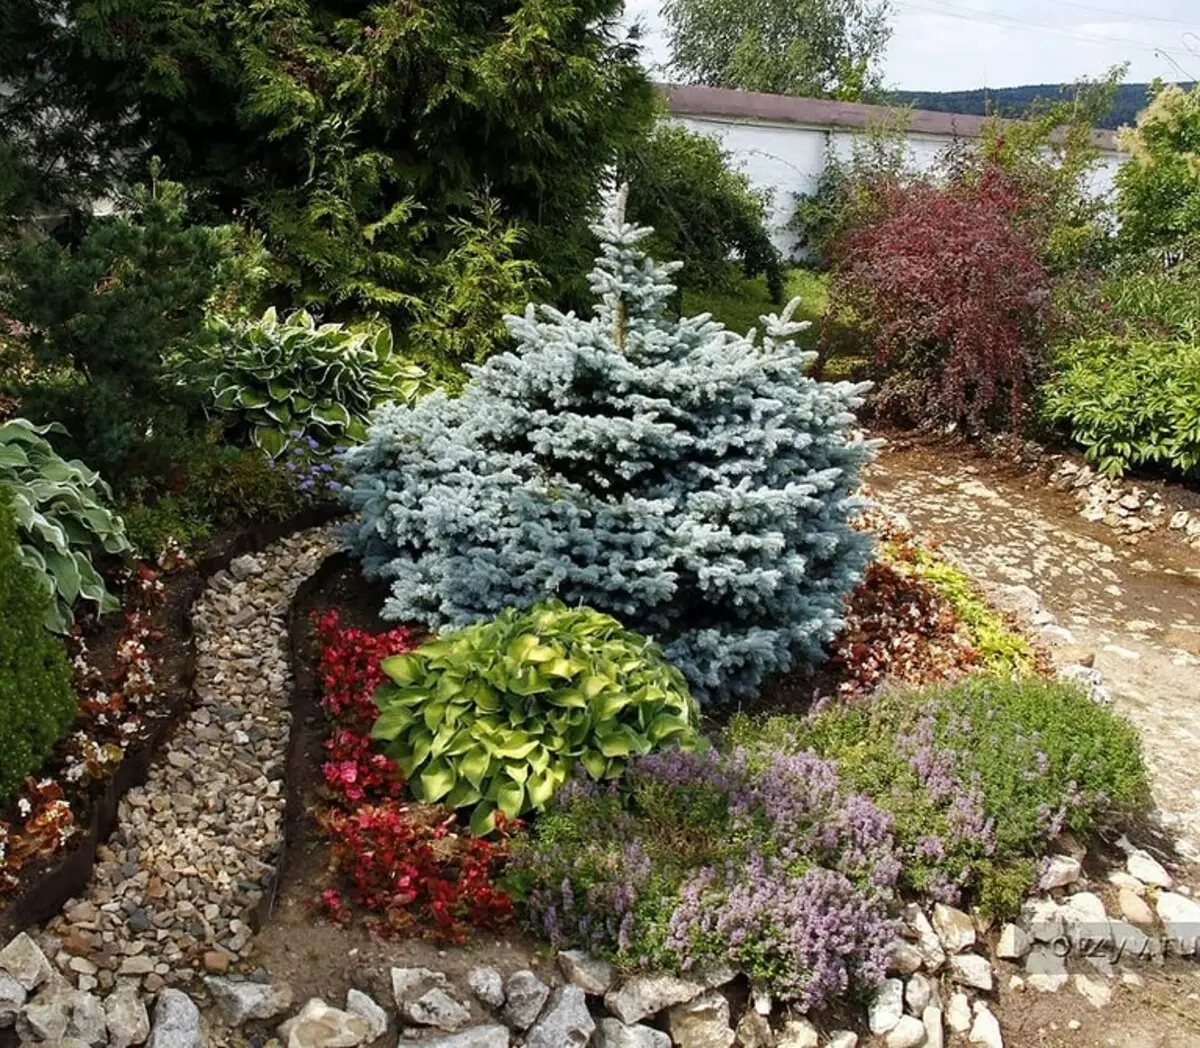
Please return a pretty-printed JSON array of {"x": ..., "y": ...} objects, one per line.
[
  {"x": 196, "y": 844},
  {"x": 1132, "y": 602}
]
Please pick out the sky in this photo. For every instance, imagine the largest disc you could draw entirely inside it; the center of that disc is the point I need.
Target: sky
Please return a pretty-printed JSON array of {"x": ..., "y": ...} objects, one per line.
[{"x": 946, "y": 45}]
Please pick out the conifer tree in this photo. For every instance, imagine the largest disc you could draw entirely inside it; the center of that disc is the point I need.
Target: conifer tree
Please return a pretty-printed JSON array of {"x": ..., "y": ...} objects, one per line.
[{"x": 693, "y": 482}]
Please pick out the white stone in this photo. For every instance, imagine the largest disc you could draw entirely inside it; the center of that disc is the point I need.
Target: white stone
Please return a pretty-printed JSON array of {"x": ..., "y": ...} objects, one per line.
[
  {"x": 1016, "y": 984},
  {"x": 25, "y": 962},
  {"x": 612, "y": 1033},
  {"x": 887, "y": 1006},
  {"x": 971, "y": 970},
  {"x": 955, "y": 929},
  {"x": 524, "y": 994},
  {"x": 1121, "y": 879},
  {"x": 240, "y": 1002},
  {"x": 1042, "y": 919},
  {"x": 918, "y": 994},
  {"x": 927, "y": 941},
  {"x": 487, "y": 984},
  {"x": 841, "y": 1039},
  {"x": 909, "y": 1032},
  {"x": 958, "y": 1013},
  {"x": 125, "y": 1014},
  {"x": 12, "y": 998},
  {"x": 1180, "y": 916},
  {"x": 491, "y": 1036},
  {"x": 367, "y": 1008},
  {"x": 1060, "y": 870},
  {"x": 589, "y": 973},
  {"x": 906, "y": 958},
  {"x": 1098, "y": 994},
  {"x": 985, "y": 1029},
  {"x": 567, "y": 1023},
  {"x": 1014, "y": 943},
  {"x": 798, "y": 1033},
  {"x": 1148, "y": 870},
  {"x": 701, "y": 1023},
  {"x": 644, "y": 995},
  {"x": 318, "y": 1025},
  {"x": 931, "y": 1019},
  {"x": 177, "y": 1022}
]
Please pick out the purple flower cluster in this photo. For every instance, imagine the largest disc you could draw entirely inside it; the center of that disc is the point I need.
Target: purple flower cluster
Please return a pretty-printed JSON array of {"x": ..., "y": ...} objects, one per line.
[
  {"x": 762, "y": 860},
  {"x": 818, "y": 934},
  {"x": 312, "y": 473}
]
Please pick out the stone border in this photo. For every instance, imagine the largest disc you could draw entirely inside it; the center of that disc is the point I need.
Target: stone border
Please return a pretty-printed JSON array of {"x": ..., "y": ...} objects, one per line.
[{"x": 42, "y": 899}]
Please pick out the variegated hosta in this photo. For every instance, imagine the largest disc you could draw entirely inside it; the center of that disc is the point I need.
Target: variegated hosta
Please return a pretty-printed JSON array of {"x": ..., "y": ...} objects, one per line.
[
  {"x": 294, "y": 378},
  {"x": 61, "y": 518},
  {"x": 493, "y": 717}
]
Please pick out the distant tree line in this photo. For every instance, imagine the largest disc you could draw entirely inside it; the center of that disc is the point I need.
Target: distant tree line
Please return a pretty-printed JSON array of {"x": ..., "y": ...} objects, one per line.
[{"x": 1130, "y": 99}]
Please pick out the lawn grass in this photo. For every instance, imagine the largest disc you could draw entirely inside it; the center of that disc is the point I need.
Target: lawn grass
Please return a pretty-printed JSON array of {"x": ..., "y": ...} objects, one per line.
[{"x": 739, "y": 309}]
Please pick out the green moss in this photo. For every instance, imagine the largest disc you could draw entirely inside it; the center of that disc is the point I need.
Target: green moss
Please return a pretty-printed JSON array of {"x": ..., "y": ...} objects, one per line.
[{"x": 37, "y": 702}]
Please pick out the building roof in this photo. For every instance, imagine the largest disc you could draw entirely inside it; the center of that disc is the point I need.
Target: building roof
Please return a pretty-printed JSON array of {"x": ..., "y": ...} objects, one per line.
[{"x": 720, "y": 102}]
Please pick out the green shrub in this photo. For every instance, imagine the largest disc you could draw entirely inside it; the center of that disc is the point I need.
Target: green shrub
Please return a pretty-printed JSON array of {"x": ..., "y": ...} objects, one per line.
[
  {"x": 37, "y": 703},
  {"x": 62, "y": 519},
  {"x": 978, "y": 777},
  {"x": 279, "y": 381},
  {"x": 215, "y": 486},
  {"x": 703, "y": 211},
  {"x": 100, "y": 312},
  {"x": 494, "y": 716},
  {"x": 1129, "y": 402},
  {"x": 460, "y": 318}
]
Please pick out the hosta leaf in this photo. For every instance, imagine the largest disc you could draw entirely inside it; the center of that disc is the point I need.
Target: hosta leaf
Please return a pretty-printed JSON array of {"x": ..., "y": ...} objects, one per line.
[
  {"x": 474, "y": 765},
  {"x": 595, "y": 764},
  {"x": 391, "y": 722},
  {"x": 540, "y": 788},
  {"x": 403, "y": 669},
  {"x": 510, "y": 797},
  {"x": 483, "y": 819},
  {"x": 435, "y": 781}
]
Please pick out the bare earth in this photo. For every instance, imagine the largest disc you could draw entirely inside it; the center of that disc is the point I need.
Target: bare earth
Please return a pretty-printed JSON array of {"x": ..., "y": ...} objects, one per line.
[{"x": 1135, "y": 607}]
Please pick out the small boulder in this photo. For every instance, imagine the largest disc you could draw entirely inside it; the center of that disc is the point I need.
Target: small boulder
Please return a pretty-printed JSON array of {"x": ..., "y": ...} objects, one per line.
[
  {"x": 1148, "y": 870},
  {"x": 843, "y": 1039},
  {"x": 565, "y": 1023},
  {"x": 753, "y": 1031},
  {"x": 177, "y": 1022},
  {"x": 365, "y": 1007},
  {"x": 1098, "y": 994},
  {"x": 525, "y": 994},
  {"x": 958, "y": 1013},
  {"x": 487, "y": 984},
  {"x": 985, "y": 1030},
  {"x": 491, "y": 1036},
  {"x": 886, "y": 1007},
  {"x": 1014, "y": 943},
  {"x": 1059, "y": 871},
  {"x": 318, "y": 1025},
  {"x": 87, "y": 1020},
  {"x": 25, "y": 962},
  {"x": 645, "y": 995},
  {"x": 12, "y": 999},
  {"x": 1134, "y": 908},
  {"x": 701, "y": 1023},
  {"x": 971, "y": 970},
  {"x": 437, "y": 1008},
  {"x": 1180, "y": 916},
  {"x": 126, "y": 1017},
  {"x": 931, "y": 1019},
  {"x": 1045, "y": 970},
  {"x": 590, "y": 974},
  {"x": 240, "y": 1002},
  {"x": 45, "y": 1017},
  {"x": 955, "y": 929},
  {"x": 909, "y": 1032},
  {"x": 918, "y": 993},
  {"x": 798, "y": 1033},
  {"x": 906, "y": 958},
  {"x": 928, "y": 942},
  {"x": 612, "y": 1033}
]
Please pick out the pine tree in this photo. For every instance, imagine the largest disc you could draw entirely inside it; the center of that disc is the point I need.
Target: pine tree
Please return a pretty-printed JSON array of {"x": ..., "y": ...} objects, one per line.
[{"x": 689, "y": 480}]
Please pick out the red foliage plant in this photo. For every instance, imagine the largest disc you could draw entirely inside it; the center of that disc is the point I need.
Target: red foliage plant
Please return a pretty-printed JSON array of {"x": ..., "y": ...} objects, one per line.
[
  {"x": 407, "y": 864},
  {"x": 945, "y": 278}
]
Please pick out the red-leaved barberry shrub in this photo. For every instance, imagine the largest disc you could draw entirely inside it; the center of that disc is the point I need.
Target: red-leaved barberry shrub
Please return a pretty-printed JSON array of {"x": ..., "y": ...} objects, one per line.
[
  {"x": 945, "y": 279},
  {"x": 406, "y": 864}
]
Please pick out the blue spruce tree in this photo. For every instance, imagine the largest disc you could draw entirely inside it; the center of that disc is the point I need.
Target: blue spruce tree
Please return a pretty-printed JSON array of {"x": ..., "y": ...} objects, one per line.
[{"x": 691, "y": 481}]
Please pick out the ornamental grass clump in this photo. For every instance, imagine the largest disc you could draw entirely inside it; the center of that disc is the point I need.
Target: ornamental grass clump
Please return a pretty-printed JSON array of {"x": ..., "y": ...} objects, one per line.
[
  {"x": 766, "y": 861},
  {"x": 693, "y": 482},
  {"x": 978, "y": 778},
  {"x": 495, "y": 717}
]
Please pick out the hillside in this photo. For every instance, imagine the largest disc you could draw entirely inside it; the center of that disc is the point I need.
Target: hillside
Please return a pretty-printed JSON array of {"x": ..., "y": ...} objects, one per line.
[{"x": 1015, "y": 101}]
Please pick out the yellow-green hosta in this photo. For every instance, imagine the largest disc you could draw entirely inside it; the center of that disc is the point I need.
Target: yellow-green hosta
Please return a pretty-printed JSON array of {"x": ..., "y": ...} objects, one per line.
[{"x": 495, "y": 716}]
